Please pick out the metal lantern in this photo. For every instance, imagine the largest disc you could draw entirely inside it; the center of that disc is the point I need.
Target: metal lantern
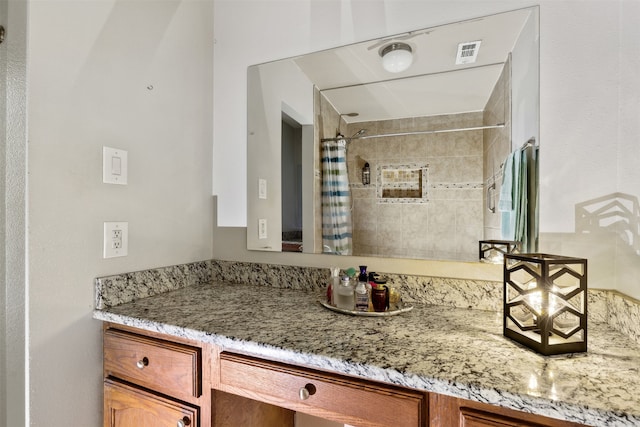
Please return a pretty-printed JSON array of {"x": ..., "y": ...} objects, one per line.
[
  {"x": 545, "y": 302},
  {"x": 493, "y": 251}
]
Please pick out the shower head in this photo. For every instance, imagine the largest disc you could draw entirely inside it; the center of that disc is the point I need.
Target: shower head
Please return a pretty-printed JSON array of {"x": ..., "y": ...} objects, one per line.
[{"x": 359, "y": 133}]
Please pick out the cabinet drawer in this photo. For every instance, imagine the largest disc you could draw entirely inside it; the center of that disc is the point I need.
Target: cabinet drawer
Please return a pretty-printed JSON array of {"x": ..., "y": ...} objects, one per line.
[
  {"x": 153, "y": 363},
  {"x": 453, "y": 411},
  {"x": 334, "y": 397}
]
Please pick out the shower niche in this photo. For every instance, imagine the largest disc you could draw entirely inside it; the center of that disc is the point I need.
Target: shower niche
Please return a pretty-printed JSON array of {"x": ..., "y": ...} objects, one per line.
[{"x": 402, "y": 183}]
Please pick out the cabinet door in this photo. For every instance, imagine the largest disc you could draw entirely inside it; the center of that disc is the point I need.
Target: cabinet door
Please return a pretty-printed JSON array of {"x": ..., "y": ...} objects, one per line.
[{"x": 126, "y": 406}]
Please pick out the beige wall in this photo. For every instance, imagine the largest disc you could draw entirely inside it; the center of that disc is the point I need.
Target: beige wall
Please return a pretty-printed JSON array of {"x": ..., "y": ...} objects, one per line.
[{"x": 131, "y": 75}]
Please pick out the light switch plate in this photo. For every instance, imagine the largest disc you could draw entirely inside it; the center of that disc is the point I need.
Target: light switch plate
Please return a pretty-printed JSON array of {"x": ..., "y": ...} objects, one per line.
[
  {"x": 115, "y": 239},
  {"x": 114, "y": 166},
  {"x": 262, "y": 188}
]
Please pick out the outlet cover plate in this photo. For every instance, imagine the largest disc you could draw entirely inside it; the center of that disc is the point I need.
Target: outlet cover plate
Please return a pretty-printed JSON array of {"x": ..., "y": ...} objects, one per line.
[
  {"x": 262, "y": 228},
  {"x": 262, "y": 188},
  {"x": 115, "y": 239}
]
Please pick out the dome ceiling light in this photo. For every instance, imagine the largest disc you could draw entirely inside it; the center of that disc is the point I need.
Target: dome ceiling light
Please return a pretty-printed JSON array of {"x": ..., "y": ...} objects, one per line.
[{"x": 396, "y": 57}]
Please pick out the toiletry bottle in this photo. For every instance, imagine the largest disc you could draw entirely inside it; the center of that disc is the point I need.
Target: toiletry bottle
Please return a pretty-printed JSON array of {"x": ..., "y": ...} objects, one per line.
[
  {"x": 370, "y": 286},
  {"x": 362, "y": 293},
  {"x": 330, "y": 291},
  {"x": 362, "y": 297},
  {"x": 363, "y": 277},
  {"x": 334, "y": 283},
  {"x": 343, "y": 296},
  {"x": 366, "y": 174}
]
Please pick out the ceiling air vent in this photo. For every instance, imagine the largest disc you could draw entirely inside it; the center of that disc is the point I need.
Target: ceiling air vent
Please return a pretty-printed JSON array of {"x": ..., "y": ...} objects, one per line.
[{"x": 467, "y": 52}]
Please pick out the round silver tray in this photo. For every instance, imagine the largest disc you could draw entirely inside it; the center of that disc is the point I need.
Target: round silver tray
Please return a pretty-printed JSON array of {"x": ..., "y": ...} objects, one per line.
[{"x": 399, "y": 310}]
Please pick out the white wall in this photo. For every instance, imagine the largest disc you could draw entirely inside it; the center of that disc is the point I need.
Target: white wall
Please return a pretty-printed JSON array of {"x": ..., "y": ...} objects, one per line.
[
  {"x": 588, "y": 100},
  {"x": 90, "y": 68},
  {"x": 628, "y": 173}
]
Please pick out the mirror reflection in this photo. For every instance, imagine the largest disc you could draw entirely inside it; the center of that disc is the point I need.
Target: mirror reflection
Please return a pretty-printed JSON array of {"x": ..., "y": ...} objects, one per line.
[{"x": 349, "y": 155}]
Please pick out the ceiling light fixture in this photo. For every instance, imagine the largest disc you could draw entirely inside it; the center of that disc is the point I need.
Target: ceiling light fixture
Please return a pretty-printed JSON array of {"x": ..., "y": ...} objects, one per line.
[{"x": 396, "y": 57}]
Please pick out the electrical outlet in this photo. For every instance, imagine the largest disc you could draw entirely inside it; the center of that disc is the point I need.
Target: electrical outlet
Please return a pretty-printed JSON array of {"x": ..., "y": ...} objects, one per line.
[
  {"x": 116, "y": 239},
  {"x": 262, "y": 228}
]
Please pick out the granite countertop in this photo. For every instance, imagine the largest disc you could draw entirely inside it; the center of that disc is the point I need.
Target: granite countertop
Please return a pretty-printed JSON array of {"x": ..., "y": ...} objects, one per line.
[{"x": 457, "y": 352}]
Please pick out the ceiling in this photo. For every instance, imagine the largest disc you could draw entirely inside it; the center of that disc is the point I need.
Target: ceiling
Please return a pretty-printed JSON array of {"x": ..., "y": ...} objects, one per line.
[{"x": 353, "y": 80}]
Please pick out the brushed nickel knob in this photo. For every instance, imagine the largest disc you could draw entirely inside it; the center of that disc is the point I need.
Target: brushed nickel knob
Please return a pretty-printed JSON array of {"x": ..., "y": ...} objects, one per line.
[
  {"x": 185, "y": 421},
  {"x": 306, "y": 391},
  {"x": 142, "y": 363}
]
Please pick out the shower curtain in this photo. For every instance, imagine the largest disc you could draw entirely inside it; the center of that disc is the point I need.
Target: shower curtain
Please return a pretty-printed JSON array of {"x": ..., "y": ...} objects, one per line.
[{"x": 336, "y": 199}]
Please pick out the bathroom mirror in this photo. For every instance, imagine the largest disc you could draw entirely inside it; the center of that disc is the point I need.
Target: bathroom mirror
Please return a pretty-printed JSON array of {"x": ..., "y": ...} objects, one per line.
[{"x": 436, "y": 140}]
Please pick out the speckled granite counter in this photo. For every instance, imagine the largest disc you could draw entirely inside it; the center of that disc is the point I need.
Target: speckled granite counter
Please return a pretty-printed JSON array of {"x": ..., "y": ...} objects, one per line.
[{"x": 452, "y": 351}]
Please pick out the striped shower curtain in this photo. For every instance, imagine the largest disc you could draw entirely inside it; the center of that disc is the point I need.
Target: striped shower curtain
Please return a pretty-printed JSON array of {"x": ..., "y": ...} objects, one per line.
[{"x": 336, "y": 199}]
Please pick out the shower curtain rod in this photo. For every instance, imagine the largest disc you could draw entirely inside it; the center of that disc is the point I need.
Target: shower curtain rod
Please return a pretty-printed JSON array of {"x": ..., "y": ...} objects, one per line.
[{"x": 417, "y": 132}]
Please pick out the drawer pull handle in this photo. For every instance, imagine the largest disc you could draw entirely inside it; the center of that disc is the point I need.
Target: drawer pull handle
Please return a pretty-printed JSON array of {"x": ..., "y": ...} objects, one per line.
[
  {"x": 142, "y": 363},
  {"x": 306, "y": 391},
  {"x": 185, "y": 421}
]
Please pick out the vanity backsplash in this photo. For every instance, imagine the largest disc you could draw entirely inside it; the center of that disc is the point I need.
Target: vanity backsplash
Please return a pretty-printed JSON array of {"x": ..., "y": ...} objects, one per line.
[
  {"x": 121, "y": 288},
  {"x": 604, "y": 306}
]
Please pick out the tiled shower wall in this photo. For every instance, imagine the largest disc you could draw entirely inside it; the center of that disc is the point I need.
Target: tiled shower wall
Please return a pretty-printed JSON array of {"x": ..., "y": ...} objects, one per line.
[
  {"x": 461, "y": 166},
  {"x": 497, "y": 146},
  {"x": 449, "y": 224}
]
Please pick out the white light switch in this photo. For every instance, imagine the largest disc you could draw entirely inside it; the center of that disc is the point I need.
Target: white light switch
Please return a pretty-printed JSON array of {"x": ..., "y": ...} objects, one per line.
[
  {"x": 114, "y": 166},
  {"x": 262, "y": 188}
]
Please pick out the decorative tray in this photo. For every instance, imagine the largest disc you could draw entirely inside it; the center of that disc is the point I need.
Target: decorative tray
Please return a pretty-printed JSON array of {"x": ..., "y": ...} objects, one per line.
[{"x": 401, "y": 309}]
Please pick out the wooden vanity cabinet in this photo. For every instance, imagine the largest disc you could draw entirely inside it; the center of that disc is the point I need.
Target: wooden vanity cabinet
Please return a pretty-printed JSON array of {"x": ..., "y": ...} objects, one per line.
[
  {"x": 151, "y": 380},
  {"x": 154, "y": 380}
]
